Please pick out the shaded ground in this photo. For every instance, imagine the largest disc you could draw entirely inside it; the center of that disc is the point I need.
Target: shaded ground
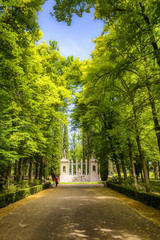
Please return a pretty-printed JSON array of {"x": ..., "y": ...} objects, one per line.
[{"x": 77, "y": 212}]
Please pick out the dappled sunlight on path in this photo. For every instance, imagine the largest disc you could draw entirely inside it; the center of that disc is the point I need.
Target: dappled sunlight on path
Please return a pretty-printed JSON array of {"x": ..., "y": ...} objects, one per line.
[
  {"x": 77, "y": 213},
  {"x": 147, "y": 211},
  {"x": 98, "y": 233}
]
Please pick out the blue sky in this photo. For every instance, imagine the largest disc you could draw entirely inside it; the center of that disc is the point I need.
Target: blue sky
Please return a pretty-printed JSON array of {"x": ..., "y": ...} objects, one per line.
[{"x": 73, "y": 40}]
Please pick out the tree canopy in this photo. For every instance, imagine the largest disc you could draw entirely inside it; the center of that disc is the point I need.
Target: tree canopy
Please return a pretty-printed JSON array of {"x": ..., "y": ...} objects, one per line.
[
  {"x": 115, "y": 94},
  {"x": 119, "y": 101}
]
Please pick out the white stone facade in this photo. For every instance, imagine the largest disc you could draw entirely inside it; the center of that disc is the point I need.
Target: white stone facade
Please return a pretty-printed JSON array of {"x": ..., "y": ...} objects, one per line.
[{"x": 79, "y": 172}]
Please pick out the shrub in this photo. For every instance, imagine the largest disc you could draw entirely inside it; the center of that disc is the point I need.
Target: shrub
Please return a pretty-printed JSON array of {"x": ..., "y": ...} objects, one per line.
[
  {"x": 2, "y": 201},
  {"x": 24, "y": 184},
  {"x": 12, "y": 188},
  {"x": 36, "y": 189},
  {"x": 46, "y": 185},
  {"x": 36, "y": 182},
  {"x": 146, "y": 198},
  {"x": 6, "y": 199}
]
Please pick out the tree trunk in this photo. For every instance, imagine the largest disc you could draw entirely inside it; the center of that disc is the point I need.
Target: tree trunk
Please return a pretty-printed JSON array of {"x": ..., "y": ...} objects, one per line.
[
  {"x": 42, "y": 169},
  {"x": 104, "y": 167},
  {"x": 146, "y": 179},
  {"x": 114, "y": 155},
  {"x": 123, "y": 167},
  {"x": 30, "y": 171},
  {"x": 155, "y": 165},
  {"x": 117, "y": 166},
  {"x": 142, "y": 178},
  {"x": 16, "y": 171},
  {"x": 132, "y": 163},
  {"x": 153, "y": 41},
  {"x": 9, "y": 175},
  {"x": 159, "y": 169},
  {"x": 20, "y": 169},
  {"x": 142, "y": 158},
  {"x": 154, "y": 114},
  {"x": 36, "y": 173}
]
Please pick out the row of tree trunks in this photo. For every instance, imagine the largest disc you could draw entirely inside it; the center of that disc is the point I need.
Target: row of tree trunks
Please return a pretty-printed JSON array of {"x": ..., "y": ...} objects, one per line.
[
  {"x": 154, "y": 114},
  {"x": 156, "y": 127},
  {"x": 141, "y": 155},
  {"x": 142, "y": 158},
  {"x": 34, "y": 166},
  {"x": 151, "y": 99},
  {"x": 115, "y": 157}
]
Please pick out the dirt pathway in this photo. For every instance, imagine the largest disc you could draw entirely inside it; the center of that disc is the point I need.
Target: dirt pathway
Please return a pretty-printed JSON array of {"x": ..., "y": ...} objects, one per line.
[{"x": 77, "y": 212}]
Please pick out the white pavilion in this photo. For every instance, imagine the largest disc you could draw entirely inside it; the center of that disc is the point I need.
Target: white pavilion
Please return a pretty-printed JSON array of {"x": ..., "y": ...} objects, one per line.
[{"x": 79, "y": 172}]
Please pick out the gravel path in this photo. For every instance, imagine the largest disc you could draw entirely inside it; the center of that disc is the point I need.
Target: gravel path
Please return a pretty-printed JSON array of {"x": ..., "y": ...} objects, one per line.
[{"x": 77, "y": 212}]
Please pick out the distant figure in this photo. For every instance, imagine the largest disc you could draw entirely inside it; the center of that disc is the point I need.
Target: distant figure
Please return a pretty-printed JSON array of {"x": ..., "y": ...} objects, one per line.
[
  {"x": 56, "y": 181},
  {"x": 44, "y": 181}
]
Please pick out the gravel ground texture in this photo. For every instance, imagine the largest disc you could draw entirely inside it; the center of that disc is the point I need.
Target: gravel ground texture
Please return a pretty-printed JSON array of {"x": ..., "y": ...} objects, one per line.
[{"x": 79, "y": 212}]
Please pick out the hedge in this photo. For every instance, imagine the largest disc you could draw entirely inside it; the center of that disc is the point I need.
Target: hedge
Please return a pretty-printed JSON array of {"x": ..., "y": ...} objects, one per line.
[
  {"x": 6, "y": 199},
  {"x": 146, "y": 198}
]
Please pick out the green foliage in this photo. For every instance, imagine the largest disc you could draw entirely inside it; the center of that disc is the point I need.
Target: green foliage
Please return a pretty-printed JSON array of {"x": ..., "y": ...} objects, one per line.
[
  {"x": 117, "y": 90},
  {"x": 116, "y": 94},
  {"x": 64, "y": 10},
  {"x": 33, "y": 95},
  {"x": 24, "y": 184},
  {"x": 146, "y": 198},
  {"x": 6, "y": 199},
  {"x": 76, "y": 148},
  {"x": 36, "y": 182},
  {"x": 12, "y": 188},
  {"x": 65, "y": 140}
]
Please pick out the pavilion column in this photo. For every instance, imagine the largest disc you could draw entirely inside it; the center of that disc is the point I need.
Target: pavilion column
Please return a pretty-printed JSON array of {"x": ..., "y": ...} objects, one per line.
[
  {"x": 72, "y": 167},
  {"x": 86, "y": 168},
  {"x": 68, "y": 170},
  {"x": 81, "y": 167},
  {"x": 76, "y": 167}
]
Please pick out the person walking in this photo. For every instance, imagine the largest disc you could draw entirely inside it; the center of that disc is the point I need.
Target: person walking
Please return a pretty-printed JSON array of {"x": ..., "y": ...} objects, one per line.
[{"x": 56, "y": 181}]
